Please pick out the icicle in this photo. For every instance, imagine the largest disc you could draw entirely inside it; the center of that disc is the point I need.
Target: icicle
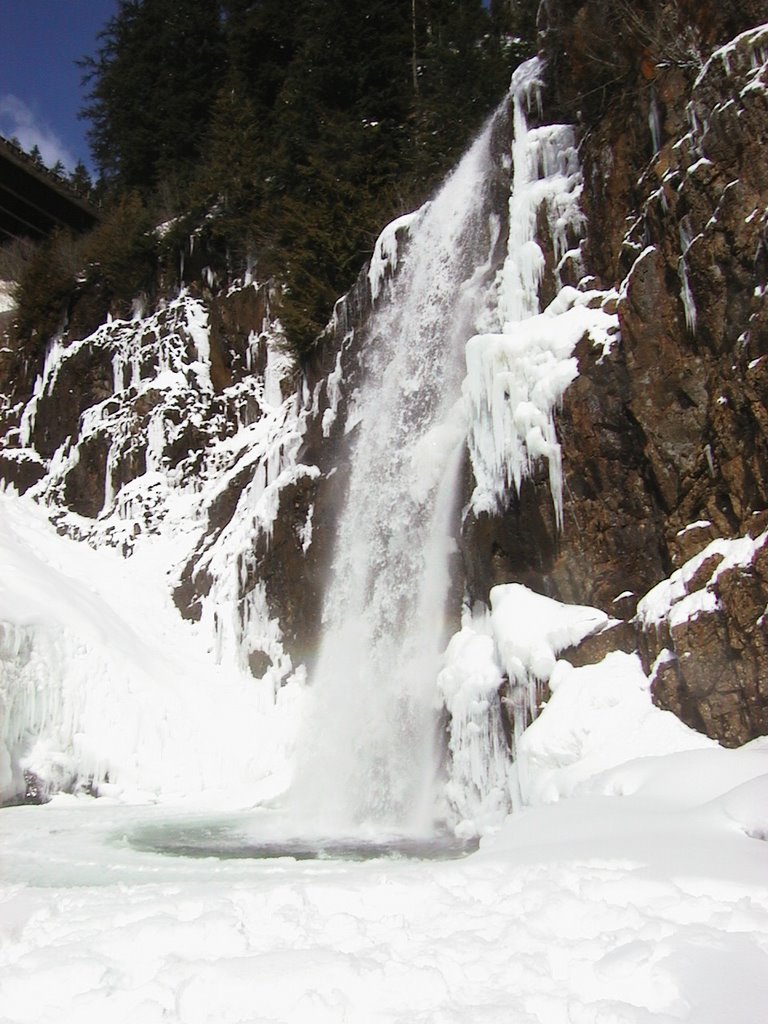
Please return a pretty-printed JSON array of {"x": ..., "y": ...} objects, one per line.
[
  {"x": 654, "y": 122},
  {"x": 481, "y": 786},
  {"x": 516, "y": 379},
  {"x": 686, "y": 294}
]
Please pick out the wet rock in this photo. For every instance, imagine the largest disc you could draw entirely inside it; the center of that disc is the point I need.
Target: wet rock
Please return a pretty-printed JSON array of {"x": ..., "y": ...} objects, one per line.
[
  {"x": 84, "y": 482},
  {"x": 618, "y": 635},
  {"x": 258, "y": 663},
  {"x": 234, "y": 320},
  {"x": 85, "y": 379},
  {"x": 21, "y": 468},
  {"x": 665, "y": 440},
  {"x": 35, "y": 791}
]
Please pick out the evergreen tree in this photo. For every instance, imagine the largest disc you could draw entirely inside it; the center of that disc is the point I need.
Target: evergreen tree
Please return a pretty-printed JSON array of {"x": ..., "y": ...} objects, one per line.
[
  {"x": 261, "y": 41},
  {"x": 462, "y": 72},
  {"x": 152, "y": 84},
  {"x": 120, "y": 253},
  {"x": 229, "y": 184},
  {"x": 80, "y": 179},
  {"x": 515, "y": 23},
  {"x": 46, "y": 286},
  {"x": 294, "y": 131}
]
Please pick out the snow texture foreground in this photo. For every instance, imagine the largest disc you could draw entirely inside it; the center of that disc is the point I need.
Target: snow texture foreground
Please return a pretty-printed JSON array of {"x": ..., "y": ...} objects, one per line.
[
  {"x": 629, "y": 892},
  {"x": 600, "y": 908},
  {"x": 632, "y": 888}
]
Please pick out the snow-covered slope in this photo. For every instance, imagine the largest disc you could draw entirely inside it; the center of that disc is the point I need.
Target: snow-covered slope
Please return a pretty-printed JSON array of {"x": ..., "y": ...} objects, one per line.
[
  {"x": 105, "y": 689},
  {"x": 104, "y": 686}
]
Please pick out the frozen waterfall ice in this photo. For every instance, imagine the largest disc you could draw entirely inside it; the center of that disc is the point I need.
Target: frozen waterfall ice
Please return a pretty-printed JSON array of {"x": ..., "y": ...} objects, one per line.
[{"x": 369, "y": 753}]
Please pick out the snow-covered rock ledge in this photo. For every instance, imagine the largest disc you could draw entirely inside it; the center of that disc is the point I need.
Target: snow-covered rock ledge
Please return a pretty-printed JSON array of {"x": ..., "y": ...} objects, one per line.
[{"x": 704, "y": 639}]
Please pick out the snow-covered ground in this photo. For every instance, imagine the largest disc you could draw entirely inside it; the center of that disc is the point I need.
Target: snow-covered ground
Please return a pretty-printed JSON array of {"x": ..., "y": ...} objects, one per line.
[
  {"x": 102, "y": 682},
  {"x": 650, "y": 906}
]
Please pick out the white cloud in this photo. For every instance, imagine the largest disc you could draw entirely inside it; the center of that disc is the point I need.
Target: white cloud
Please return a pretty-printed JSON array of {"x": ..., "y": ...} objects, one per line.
[{"x": 17, "y": 120}]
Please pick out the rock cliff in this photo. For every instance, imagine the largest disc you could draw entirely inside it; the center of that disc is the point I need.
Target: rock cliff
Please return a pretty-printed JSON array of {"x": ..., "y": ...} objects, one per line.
[{"x": 673, "y": 454}]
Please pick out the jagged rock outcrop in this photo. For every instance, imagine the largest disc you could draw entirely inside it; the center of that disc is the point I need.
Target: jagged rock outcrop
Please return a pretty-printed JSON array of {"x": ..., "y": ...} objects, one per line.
[{"x": 704, "y": 638}]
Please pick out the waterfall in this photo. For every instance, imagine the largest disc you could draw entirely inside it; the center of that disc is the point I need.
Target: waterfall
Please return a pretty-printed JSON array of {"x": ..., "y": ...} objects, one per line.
[
  {"x": 369, "y": 750},
  {"x": 433, "y": 385}
]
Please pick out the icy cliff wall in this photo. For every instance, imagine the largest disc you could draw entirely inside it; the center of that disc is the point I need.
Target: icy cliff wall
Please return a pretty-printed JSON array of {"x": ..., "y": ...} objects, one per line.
[{"x": 664, "y": 440}]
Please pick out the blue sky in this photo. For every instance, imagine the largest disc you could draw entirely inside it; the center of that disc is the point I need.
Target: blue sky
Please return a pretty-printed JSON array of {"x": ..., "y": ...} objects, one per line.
[{"x": 40, "y": 90}]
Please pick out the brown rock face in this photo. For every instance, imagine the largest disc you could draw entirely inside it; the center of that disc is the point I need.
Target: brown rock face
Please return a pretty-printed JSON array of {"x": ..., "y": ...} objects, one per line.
[
  {"x": 84, "y": 482},
  {"x": 670, "y": 429},
  {"x": 709, "y": 667},
  {"x": 86, "y": 380},
  {"x": 293, "y": 559},
  {"x": 21, "y": 469}
]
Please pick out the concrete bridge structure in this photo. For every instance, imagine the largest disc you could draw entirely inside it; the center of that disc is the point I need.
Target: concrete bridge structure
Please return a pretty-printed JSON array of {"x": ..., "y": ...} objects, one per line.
[{"x": 34, "y": 202}]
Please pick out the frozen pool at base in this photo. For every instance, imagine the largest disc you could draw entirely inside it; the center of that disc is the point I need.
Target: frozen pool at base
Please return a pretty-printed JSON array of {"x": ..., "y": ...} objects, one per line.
[
  {"x": 85, "y": 841},
  {"x": 226, "y": 842}
]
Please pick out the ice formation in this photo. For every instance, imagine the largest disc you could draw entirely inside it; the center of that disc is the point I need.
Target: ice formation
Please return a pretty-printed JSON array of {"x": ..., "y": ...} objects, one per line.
[
  {"x": 370, "y": 748},
  {"x": 515, "y": 381},
  {"x": 516, "y": 377},
  {"x": 510, "y": 650},
  {"x": 481, "y": 786},
  {"x": 103, "y": 688},
  {"x": 387, "y": 251}
]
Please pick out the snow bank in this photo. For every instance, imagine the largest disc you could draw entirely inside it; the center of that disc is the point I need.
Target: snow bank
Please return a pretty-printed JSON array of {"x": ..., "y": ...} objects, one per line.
[
  {"x": 102, "y": 684},
  {"x": 531, "y": 630},
  {"x": 645, "y": 907},
  {"x": 598, "y": 733},
  {"x": 598, "y": 717},
  {"x": 501, "y": 657}
]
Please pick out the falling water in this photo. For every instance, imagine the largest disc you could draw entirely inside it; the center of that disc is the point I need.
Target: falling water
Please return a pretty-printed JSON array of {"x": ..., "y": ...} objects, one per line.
[{"x": 369, "y": 750}]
